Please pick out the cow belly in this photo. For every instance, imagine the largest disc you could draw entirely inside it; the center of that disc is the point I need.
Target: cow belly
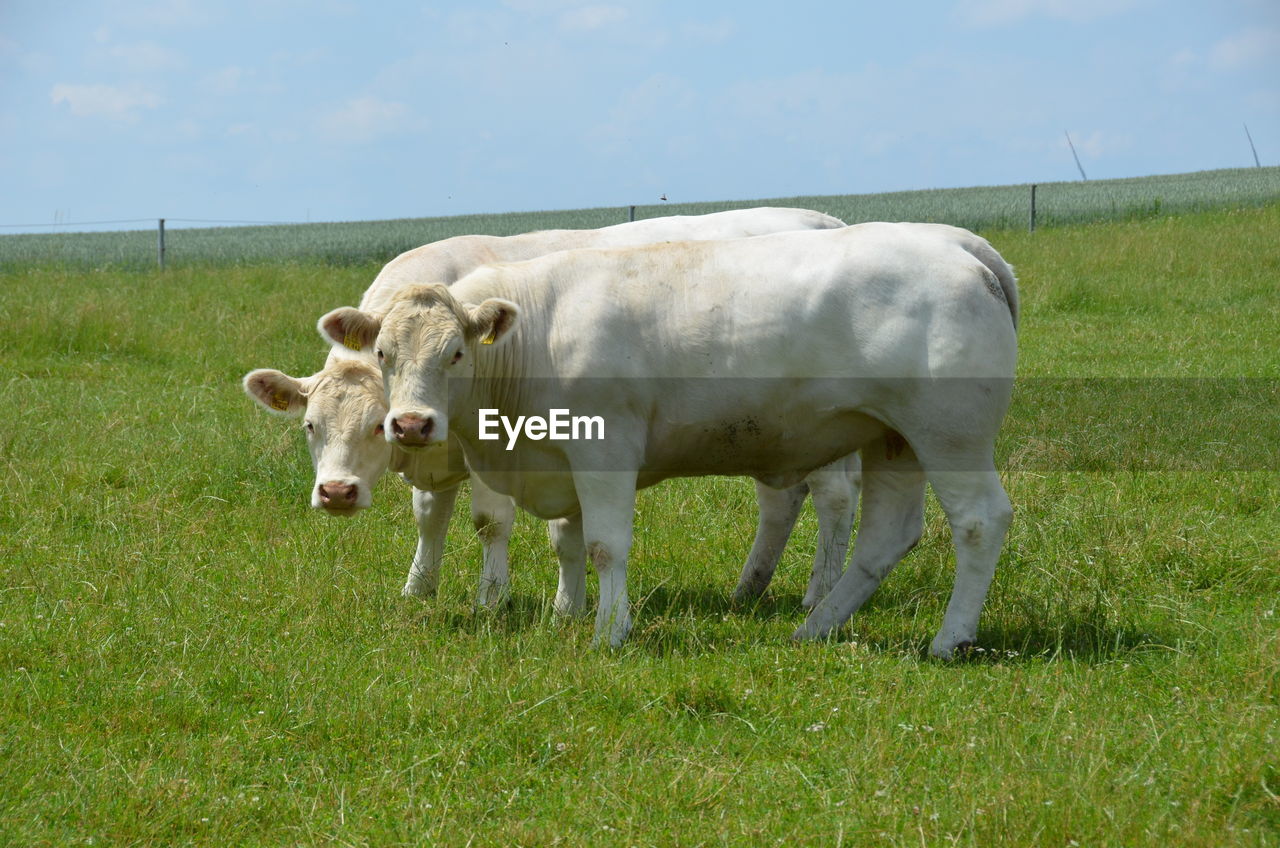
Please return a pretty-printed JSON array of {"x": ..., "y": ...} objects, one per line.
[
  {"x": 548, "y": 496},
  {"x": 772, "y": 449},
  {"x": 537, "y": 474}
]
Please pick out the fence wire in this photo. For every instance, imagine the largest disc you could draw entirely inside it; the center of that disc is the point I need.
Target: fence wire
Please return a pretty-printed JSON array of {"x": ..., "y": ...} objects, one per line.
[{"x": 231, "y": 241}]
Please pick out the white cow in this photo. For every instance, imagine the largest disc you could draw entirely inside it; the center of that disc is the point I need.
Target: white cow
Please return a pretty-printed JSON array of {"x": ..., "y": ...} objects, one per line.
[
  {"x": 344, "y": 408},
  {"x": 768, "y": 356}
]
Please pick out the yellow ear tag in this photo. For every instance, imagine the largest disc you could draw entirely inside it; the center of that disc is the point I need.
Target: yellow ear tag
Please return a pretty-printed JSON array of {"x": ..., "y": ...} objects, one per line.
[
  {"x": 351, "y": 340},
  {"x": 488, "y": 339},
  {"x": 280, "y": 402}
]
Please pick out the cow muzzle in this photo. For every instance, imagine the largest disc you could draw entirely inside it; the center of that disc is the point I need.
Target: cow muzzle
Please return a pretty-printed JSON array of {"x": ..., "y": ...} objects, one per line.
[
  {"x": 337, "y": 497},
  {"x": 414, "y": 429}
]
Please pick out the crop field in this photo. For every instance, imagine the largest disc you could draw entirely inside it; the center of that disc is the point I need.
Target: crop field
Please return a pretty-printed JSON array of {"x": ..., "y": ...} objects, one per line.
[
  {"x": 979, "y": 208},
  {"x": 189, "y": 655}
]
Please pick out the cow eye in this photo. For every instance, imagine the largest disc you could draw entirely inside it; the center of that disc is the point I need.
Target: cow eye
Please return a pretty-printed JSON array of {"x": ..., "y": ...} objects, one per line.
[
  {"x": 378, "y": 351},
  {"x": 456, "y": 357},
  {"x": 310, "y": 428},
  {"x": 379, "y": 430}
]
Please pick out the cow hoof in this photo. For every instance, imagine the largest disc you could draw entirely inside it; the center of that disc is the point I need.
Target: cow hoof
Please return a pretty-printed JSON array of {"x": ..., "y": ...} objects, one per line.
[
  {"x": 810, "y": 633},
  {"x": 614, "y": 638},
  {"x": 749, "y": 591},
  {"x": 947, "y": 651},
  {"x": 418, "y": 590},
  {"x": 568, "y": 607},
  {"x": 493, "y": 598}
]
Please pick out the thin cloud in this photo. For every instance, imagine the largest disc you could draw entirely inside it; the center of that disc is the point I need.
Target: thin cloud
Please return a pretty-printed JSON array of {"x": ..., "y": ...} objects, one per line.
[
  {"x": 709, "y": 32},
  {"x": 996, "y": 13},
  {"x": 591, "y": 18},
  {"x": 104, "y": 101},
  {"x": 224, "y": 81},
  {"x": 364, "y": 119},
  {"x": 1247, "y": 48},
  {"x": 540, "y": 7},
  {"x": 1094, "y": 144},
  {"x": 13, "y": 53},
  {"x": 658, "y": 101},
  {"x": 169, "y": 14},
  {"x": 146, "y": 57}
]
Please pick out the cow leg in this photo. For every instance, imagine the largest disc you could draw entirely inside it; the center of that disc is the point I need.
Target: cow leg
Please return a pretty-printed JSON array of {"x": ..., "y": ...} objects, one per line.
[
  {"x": 566, "y": 540},
  {"x": 608, "y": 500},
  {"x": 979, "y": 513},
  {"x": 492, "y": 515},
  {"x": 431, "y": 512},
  {"x": 892, "y": 521},
  {"x": 779, "y": 509},
  {"x": 835, "y": 490}
]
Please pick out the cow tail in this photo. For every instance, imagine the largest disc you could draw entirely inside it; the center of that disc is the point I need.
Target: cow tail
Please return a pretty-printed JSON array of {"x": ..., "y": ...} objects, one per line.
[{"x": 982, "y": 250}]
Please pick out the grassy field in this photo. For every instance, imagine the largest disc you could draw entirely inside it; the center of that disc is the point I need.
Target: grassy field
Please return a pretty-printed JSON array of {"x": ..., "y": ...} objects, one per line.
[
  {"x": 358, "y": 242},
  {"x": 190, "y": 655}
]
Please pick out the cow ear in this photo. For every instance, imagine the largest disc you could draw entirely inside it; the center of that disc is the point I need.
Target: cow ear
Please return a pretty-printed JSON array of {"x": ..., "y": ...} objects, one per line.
[
  {"x": 276, "y": 391},
  {"x": 492, "y": 320},
  {"x": 350, "y": 328}
]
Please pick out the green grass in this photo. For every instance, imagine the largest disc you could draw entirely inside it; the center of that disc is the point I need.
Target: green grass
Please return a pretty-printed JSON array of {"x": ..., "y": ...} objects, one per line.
[
  {"x": 190, "y": 655},
  {"x": 978, "y": 208}
]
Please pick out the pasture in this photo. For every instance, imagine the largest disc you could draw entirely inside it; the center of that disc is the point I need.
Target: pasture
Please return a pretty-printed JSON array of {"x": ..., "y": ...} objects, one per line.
[{"x": 191, "y": 655}]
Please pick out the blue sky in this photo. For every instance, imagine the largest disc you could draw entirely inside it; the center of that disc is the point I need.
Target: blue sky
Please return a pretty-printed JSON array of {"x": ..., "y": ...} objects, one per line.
[{"x": 282, "y": 110}]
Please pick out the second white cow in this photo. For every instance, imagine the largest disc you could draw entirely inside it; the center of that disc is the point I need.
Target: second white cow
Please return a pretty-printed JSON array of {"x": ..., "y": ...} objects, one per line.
[{"x": 767, "y": 357}]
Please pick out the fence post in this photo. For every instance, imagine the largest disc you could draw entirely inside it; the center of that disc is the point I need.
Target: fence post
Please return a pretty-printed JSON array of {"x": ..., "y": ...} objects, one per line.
[
  {"x": 631, "y": 216},
  {"x": 1033, "y": 208},
  {"x": 160, "y": 245}
]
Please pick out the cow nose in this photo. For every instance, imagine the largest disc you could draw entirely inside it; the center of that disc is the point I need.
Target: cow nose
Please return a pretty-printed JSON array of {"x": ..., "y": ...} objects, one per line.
[
  {"x": 412, "y": 430},
  {"x": 338, "y": 495}
]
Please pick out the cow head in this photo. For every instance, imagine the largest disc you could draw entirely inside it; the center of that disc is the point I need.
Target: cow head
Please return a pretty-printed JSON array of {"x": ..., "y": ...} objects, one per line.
[
  {"x": 426, "y": 338},
  {"x": 342, "y": 408}
]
